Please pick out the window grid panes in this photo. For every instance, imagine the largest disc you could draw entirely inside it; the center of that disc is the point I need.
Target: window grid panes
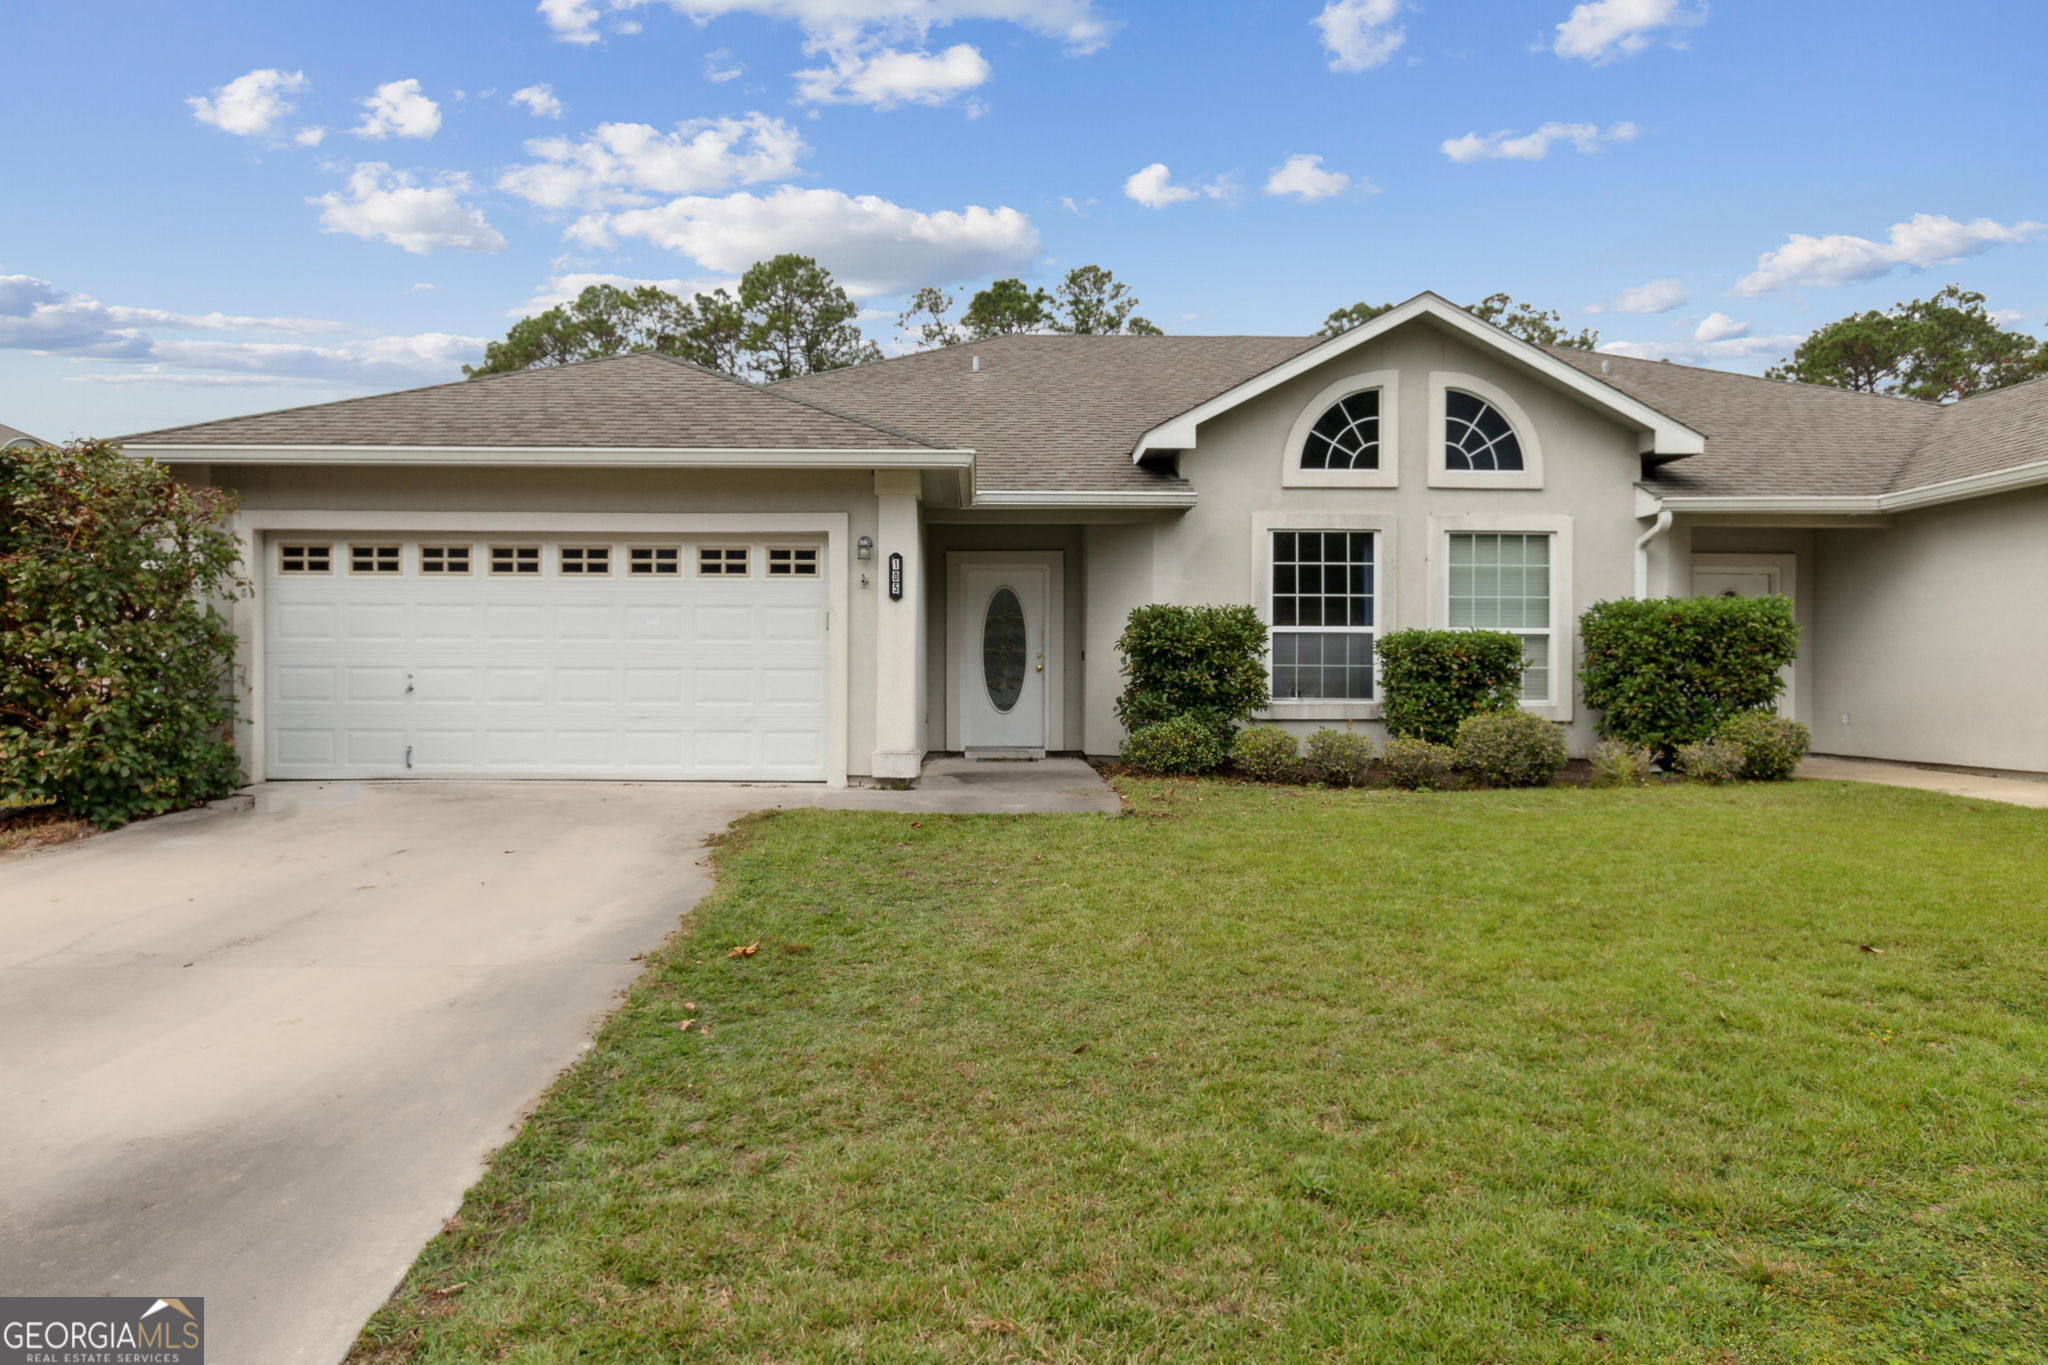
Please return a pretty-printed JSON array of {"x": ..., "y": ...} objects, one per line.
[
  {"x": 791, "y": 562},
  {"x": 444, "y": 559},
  {"x": 1501, "y": 581},
  {"x": 722, "y": 561},
  {"x": 305, "y": 558},
  {"x": 1477, "y": 437},
  {"x": 515, "y": 559},
  {"x": 586, "y": 560},
  {"x": 373, "y": 559},
  {"x": 642, "y": 560},
  {"x": 1347, "y": 436},
  {"x": 1322, "y": 610}
]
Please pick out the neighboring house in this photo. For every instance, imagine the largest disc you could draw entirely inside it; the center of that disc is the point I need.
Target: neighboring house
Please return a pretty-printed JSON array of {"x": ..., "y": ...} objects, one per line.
[
  {"x": 11, "y": 437},
  {"x": 636, "y": 568}
]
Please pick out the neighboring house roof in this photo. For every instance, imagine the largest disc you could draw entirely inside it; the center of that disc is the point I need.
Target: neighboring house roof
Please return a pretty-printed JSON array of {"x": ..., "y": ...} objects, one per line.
[
  {"x": 641, "y": 401},
  {"x": 1050, "y": 412},
  {"x": 9, "y": 435}
]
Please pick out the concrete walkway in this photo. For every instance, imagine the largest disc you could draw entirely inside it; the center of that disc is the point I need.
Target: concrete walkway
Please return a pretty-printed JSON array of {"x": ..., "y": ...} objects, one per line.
[
  {"x": 966, "y": 786},
  {"x": 2014, "y": 791}
]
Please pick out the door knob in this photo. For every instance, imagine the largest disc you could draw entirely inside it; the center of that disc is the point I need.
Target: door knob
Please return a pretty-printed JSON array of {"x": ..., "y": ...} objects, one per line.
[{"x": 1040, "y": 668}]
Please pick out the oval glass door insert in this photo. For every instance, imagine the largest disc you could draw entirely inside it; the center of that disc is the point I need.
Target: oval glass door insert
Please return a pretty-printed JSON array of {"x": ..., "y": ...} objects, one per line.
[{"x": 1002, "y": 649}]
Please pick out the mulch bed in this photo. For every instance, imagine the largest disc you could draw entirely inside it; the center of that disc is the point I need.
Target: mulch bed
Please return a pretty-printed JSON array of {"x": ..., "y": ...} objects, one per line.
[{"x": 28, "y": 827}]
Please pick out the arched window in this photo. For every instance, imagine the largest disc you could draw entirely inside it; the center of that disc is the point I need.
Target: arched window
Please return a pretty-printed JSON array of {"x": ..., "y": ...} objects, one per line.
[
  {"x": 1347, "y": 436},
  {"x": 1476, "y": 437}
]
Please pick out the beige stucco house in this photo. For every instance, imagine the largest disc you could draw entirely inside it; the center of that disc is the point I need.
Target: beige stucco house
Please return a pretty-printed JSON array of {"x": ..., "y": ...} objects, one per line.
[{"x": 636, "y": 568}]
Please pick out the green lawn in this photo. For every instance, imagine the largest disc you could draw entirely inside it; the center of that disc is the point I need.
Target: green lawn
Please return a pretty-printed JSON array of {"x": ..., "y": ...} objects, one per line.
[{"x": 1691, "y": 1074}]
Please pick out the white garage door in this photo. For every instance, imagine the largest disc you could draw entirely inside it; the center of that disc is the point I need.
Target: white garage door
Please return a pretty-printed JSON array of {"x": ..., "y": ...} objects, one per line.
[{"x": 525, "y": 656}]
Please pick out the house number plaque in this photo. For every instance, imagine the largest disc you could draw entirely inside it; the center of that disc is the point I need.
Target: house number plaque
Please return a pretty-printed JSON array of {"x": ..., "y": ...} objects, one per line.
[{"x": 896, "y": 578}]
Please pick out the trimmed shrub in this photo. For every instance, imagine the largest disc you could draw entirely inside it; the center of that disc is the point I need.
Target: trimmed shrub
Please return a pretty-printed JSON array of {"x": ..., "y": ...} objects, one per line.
[
  {"x": 1180, "y": 747},
  {"x": 1342, "y": 758},
  {"x": 1417, "y": 764},
  {"x": 1712, "y": 761},
  {"x": 1431, "y": 680},
  {"x": 1266, "y": 753},
  {"x": 1201, "y": 661},
  {"x": 1511, "y": 749},
  {"x": 114, "y": 693},
  {"x": 1616, "y": 764},
  {"x": 1671, "y": 671},
  {"x": 1771, "y": 746}
]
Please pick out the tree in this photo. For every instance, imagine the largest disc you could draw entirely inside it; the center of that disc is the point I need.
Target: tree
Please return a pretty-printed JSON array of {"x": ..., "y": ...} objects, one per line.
[
  {"x": 927, "y": 319},
  {"x": 603, "y": 320},
  {"x": 1006, "y": 308},
  {"x": 1091, "y": 302},
  {"x": 115, "y": 698},
  {"x": 1523, "y": 320},
  {"x": 798, "y": 320},
  {"x": 1357, "y": 315},
  {"x": 1937, "y": 349}
]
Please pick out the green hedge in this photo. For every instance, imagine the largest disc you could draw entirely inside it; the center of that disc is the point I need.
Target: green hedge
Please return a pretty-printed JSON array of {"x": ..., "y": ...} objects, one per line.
[
  {"x": 114, "y": 697},
  {"x": 1184, "y": 746},
  {"x": 1431, "y": 680},
  {"x": 1671, "y": 671},
  {"x": 1208, "y": 662}
]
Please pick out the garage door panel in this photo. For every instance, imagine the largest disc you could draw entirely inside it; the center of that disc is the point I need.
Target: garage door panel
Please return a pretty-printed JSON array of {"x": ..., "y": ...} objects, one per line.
[{"x": 661, "y": 676}]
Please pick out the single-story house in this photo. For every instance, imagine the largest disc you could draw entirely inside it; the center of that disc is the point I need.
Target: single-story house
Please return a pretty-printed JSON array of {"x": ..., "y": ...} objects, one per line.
[{"x": 637, "y": 568}]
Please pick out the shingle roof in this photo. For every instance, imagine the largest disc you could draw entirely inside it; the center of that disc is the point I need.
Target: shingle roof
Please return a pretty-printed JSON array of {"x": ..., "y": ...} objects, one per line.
[
  {"x": 1051, "y": 412},
  {"x": 1998, "y": 430},
  {"x": 8, "y": 434},
  {"x": 640, "y": 400}
]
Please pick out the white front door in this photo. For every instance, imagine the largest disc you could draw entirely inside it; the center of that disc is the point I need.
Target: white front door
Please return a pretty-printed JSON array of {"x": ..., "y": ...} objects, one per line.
[
  {"x": 1001, "y": 650},
  {"x": 1732, "y": 577}
]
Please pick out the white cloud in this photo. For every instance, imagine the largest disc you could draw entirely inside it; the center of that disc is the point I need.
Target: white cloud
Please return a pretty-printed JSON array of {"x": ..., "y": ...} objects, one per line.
[
  {"x": 36, "y": 315},
  {"x": 310, "y": 137},
  {"x": 624, "y": 163},
  {"x": 388, "y": 206},
  {"x": 252, "y": 105},
  {"x": 846, "y": 22},
  {"x": 1360, "y": 34},
  {"x": 398, "y": 109},
  {"x": 1505, "y": 146},
  {"x": 719, "y": 67},
  {"x": 888, "y": 77},
  {"x": 540, "y": 99},
  {"x": 1304, "y": 178},
  {"x": 1608, "y": 30},
  {"x": 423, "y": 287},
  {"x": 1153, "y": 187},
  {"x": 560, "y": 289},
  {"x": 1719, "y": 327},
  {"x": 378, "y": 360},
  {"x": 1658, "y": 296},
  {"x": 1923, "y": 240},
  {"x": 872, "y": 245},
  {"x": 1698, "y": 352}
]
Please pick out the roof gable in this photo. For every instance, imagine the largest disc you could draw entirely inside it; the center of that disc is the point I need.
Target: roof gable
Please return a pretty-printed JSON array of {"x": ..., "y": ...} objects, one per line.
[{"x": 1661, "y": 434}]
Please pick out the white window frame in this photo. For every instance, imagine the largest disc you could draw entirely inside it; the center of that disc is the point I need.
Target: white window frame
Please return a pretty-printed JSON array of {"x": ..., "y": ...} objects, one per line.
[
  {"x": 654, "y": 562},
  {"x": 724, "y": 570},
  {"x": 376, "y": 549},
  {"x": 1441, "y": 475},
  {"x": 305, "y": 547},
  {"x": 814, "y": 567},
  {"x": 1385, "y": 555},
  {"x": 540, "y": 559},
  {"x": 1563, "y": 662},
  {"x": 1388, "y": 475},
  {"x": 467, "y": 549},
  {"x": 583, "y": 562}
]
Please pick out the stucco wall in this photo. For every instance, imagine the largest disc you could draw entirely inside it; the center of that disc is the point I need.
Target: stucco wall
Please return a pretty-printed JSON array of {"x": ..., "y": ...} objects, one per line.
[
  {"x": 1934, "y": 636},
  {"x": 1709, "y": 544},
  {"x": 943, "y": 537},
  {"x": 1212, "y": 554},
  {"x": 852, "y": 492}
]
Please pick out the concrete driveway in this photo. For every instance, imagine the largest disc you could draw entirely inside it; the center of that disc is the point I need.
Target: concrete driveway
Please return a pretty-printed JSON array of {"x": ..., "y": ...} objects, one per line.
[{"x": 257, "y": 1055}]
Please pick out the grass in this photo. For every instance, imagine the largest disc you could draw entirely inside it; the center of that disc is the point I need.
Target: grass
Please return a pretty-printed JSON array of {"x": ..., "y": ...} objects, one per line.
[
  {"x": 1755, "y": 1074},
  {"x": 25, "y": 827}
]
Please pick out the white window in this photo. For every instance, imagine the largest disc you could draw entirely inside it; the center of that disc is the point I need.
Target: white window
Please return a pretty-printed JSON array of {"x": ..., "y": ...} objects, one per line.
[
  {"x": 515, "y": 559},
  {"x": 1479, "y": 436},
  {"x": 586, "y": 561},
  {"x": 722, "y": 561},
  {"x": 300, "y": 558},
  {"x": 1323, "y": 614},
  {"x": 444, "y": 559},
  {"x": 1476, "y": 436},
  {"x": 1345, "y": 436},
  {"x": 643, "y": 560},
  {"x": 1500, "y": 580},
  {"x": 786, "y": 561},
  {"x": 373, "y": 559}
]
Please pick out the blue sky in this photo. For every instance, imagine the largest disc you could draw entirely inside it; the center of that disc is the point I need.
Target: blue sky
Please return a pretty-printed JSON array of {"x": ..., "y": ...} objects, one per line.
[{"x": 219, "y": 206}]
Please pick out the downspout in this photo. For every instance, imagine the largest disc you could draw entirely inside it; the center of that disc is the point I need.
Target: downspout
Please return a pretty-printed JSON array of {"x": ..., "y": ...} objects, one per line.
[{"x": 1643, "y": 543}]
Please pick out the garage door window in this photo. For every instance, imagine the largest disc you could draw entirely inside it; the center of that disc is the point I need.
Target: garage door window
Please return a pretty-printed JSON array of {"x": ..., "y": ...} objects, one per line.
[
  {"x": 792, "y": 562},
  {"x": 515, "y": 559},
  {"x": 586, "y": 561},
  {"x": 305, "y": 559},
  {"x": 722, "y": 561},
  {"x": 642, "y": 560},
  {"x": 373, "y": 559},
  {"x": 444, "y": 559}
]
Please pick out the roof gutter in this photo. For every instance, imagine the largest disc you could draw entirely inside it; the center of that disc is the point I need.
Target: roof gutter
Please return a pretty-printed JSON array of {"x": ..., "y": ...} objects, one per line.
[
  {"x": 1076, "y": 498},
  {"x": 1905, "y": 500}
]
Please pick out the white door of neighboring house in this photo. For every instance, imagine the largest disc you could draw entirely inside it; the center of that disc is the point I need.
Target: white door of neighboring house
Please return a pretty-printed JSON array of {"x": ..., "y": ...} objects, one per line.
[
  {"x": 1005, "y": 632},
  {"x": 470, "y": 655},
  {"x": 1750, "y": 576}
]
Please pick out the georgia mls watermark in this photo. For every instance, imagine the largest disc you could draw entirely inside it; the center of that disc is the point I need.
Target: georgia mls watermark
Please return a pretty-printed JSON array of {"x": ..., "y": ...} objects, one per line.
[{"x": 103, "y": 1331}]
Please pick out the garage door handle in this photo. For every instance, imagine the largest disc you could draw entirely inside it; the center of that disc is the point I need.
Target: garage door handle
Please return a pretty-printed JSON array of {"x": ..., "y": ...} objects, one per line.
[
  {"x": 408, "y": 684},
  {"x": 408, "y": 755}
]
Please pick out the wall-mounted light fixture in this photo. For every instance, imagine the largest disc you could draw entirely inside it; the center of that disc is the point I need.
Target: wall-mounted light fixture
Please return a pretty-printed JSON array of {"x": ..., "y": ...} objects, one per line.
[{"x": 864, "y": 548}]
